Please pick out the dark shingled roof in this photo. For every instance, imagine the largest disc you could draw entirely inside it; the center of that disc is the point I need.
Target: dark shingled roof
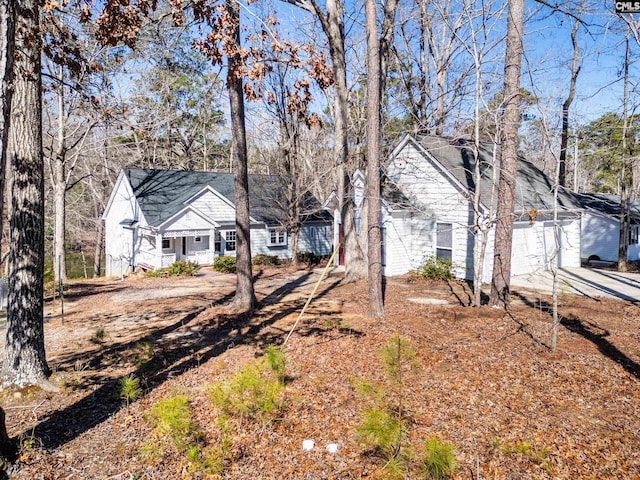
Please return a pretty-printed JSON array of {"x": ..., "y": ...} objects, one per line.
[
  {"x": 609, "y": 204},
  {"x": 534, "y": 189},
  {"x": 162, "y": 193}
]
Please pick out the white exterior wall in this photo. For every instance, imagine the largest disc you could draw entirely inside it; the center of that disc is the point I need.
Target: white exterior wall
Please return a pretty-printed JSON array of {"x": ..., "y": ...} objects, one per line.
[
  {"x": 570, "y": 243},
  {"x": 118, "y": 239},
  {"x": 441, "y": 202},
  {"x": 214, "y": 207},
  {"x": 188, "y": 220},
  {"x": 600, "y": 236},
  {"x": 438, "y": 200}
]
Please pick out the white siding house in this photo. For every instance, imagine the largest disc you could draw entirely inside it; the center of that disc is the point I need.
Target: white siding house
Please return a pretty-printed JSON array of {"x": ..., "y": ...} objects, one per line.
[
  {"x": 427, "y": 210},
  {"x": 601, "y": 228},
  {"x": 155, "y": 217}
]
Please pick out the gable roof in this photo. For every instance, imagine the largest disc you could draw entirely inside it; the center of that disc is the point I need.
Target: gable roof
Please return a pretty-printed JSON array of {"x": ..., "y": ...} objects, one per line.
[
  {"x": 533, "y": 189},
  {"x": 161, "y": 194}
]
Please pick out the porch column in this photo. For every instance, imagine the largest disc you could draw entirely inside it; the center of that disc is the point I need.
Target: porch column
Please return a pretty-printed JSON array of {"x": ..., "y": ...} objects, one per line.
[
  {"x": 158, "y": 262},
  {"x": 212, "y": 245}
]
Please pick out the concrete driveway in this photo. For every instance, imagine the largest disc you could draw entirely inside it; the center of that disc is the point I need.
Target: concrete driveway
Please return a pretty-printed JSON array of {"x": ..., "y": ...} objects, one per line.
[{"x": 591, "y": 282}]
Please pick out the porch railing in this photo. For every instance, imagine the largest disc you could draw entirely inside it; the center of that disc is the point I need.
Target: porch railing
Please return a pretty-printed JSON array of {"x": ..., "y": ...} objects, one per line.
[
  {"x": 168, "y": 259},
  {"x": 201, "y": 258}
]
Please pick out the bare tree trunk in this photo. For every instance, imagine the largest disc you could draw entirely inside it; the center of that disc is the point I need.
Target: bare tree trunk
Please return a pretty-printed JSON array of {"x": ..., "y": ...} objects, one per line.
[
  {"x": 372, "y": 197},
  {"x": 333, "y": 27},
  {"x": 555, "y": 322},
  {"x": 7, "y": 38},
  {"x": 24, "y": 353},
  {"x": 623, "y": 244},
  {"x": 59, "y": 188},
  {"x": 97, "y": 255},
  {"x": 501, "y": 280},
  {"x": 575, "y": 69},
  {"x": 245, "y": 296}
]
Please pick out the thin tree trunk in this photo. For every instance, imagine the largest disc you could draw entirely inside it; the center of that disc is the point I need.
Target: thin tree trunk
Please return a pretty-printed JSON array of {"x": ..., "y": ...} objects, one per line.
[
  {"x": 355, "y": 265},
  {"x": 24, "y": 353},
  {"x": 623, "y": 244},
  {"x": 245, "y": 297},
  {"x": 501, "y": 280},
  {"x": 60, "y": 188},
  {"x": 97, "y": 255},
  {"x": 372, "y": 197},
  {"x": 575, "y": 70},
  {"x": 555, "y": 322}
]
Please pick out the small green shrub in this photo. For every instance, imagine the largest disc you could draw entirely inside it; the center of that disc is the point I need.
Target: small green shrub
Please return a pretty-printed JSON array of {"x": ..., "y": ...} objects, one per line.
[
  {"x": 309, "y": 258},
  {"x": 525, "y": 448},
  {"x": 212, "y": 460},
  {"x": 129, "y": 389},
  {"x": 277, "y": 360},
  {"x": 395, "y": 468},
  {"x": 438, "y": 459},
  {"x": 398, "y": 355},
  {"x": 224, "y": 264},
  {"x": 172, "y": 417},
  {"x": 435, "y": 269},
  {"x": 265, "y": 260},
  {"x": 179, "y": 268},
  {"x": 380, "y": 431},
  {"x": 253, "y": 392}
]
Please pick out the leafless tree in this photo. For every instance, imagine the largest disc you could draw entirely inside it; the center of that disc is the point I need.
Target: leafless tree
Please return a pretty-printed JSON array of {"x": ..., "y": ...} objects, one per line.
[{"x": 508, "y": 157}]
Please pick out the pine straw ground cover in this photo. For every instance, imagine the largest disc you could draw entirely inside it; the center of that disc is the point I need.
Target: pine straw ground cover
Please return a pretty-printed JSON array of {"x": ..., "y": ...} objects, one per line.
[{"x": 484, "y": 380}]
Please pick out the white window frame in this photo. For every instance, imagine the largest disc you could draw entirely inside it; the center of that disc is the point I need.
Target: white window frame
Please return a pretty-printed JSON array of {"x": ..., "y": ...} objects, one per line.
[
  {"x": 228, "y": 241},
  {"x": 197, "y": 239},
  {"x": 167, "y": 239},
  {"x": 442, "y": 247},
  {"x": 217, "y": 242},
  {"x": 280, "y": 235}
]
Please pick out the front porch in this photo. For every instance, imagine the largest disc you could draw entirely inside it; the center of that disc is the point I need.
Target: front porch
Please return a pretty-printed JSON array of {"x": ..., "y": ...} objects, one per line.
[{"x": 162, "y": 249}]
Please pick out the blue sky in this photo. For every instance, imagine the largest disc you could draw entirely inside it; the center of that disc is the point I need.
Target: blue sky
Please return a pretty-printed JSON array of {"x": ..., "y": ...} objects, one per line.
[{"x": 599, "y": 87}]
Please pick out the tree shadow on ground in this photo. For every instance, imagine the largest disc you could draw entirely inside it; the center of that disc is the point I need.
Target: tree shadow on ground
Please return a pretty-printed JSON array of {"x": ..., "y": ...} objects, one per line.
[
  {"x": 586, "y": 329},
  {"x": 86, "y": 289},
  {"x": 598, "y": 336},
  {"x": 191, "y": 340}
]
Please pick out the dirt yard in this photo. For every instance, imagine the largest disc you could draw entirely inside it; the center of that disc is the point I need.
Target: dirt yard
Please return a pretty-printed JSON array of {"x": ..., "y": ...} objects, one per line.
[{"x": 484, "y": 380}]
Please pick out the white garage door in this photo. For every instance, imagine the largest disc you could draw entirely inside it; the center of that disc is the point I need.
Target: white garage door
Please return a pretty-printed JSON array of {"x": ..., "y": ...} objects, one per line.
[{"x": 526, "y": 255}]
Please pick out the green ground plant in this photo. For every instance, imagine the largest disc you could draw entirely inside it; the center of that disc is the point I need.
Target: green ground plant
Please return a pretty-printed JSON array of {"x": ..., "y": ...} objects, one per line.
[
  {"x": 172, "y": 418},
  {"x": 129, "y": 389},
  {"x": 142, "y": 353},
  {"x": 526, "y": 449},
  {"x": 435, "y": 269},
  {"x": 224, "y": 264},
  {"x": 264, "y": 260},
  {"x": 256, "y": 390},
  {"x": 382, "y": 425},
  {"x": 179, "y": 268},
  {"x": 381, "y": 431},
  {"x": 438, "y": 459}
]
